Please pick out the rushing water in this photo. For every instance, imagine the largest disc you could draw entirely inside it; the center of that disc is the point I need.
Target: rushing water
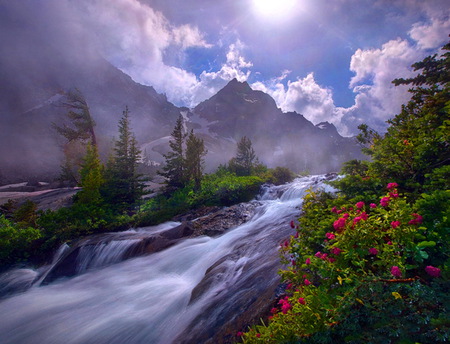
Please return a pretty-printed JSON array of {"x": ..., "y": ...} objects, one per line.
[{"x": 181, "y": 294}]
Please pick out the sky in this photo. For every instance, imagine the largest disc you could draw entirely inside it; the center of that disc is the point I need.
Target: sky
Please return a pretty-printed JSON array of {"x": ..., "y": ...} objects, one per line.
[{"x": 328, "y": 60}]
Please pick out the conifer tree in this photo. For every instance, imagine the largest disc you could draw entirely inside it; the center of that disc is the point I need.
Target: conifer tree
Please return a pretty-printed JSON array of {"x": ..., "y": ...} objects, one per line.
[
  {"x": 194, "y": 162},
  {"x": 92, "y": 179},
  {"x": 174, "y": 169},
  {"x": 245, "y": 159},
  {"x": 124, "y": 186},
  {"x": 78, "y": 132}
]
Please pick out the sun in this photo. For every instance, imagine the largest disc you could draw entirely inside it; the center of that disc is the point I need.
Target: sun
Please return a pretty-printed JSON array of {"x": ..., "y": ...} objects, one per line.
[{"x": 275, "y": 8}]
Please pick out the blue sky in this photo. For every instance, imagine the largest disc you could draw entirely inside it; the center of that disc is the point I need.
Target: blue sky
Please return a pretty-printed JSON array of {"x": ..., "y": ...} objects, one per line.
[{"x": 330, "y": 60}]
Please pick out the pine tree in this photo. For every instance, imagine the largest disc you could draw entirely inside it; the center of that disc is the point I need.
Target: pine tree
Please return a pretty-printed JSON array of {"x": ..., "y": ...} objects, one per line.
[
  {"x": 124, "y": 186},
  {"x": 194, "y": 162},
  {"x": 245, "y": 159},
  {"x": 174, "y": 169},
  {"x": 92, "y": 179},
  {"x": 78, "y": 132}
]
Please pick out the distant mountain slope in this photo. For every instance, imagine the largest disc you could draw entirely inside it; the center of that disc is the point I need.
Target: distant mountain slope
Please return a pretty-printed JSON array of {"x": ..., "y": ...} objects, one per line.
[
  {"x": 36, "y": 70},
  {"x": 286, "y": 139}
]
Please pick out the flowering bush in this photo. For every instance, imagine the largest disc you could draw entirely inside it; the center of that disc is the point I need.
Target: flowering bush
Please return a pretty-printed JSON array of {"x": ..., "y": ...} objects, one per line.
[{"x": 355, "y": 264}]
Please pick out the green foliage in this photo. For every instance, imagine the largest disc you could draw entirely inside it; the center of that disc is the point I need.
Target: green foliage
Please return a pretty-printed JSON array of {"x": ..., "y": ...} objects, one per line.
[
  {"x": 15, "y": 241},
  {"x": 91, "y": 174},
  {"x": 221, "y": 188},
  {"x": 356, "y": 273},
  {"x": 281, "y": 175}
]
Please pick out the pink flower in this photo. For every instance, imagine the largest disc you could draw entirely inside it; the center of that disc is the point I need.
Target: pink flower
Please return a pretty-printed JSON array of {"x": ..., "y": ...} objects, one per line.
[
  {"x": 384, "y": 202},
  {"x": 306, "y": 281},
  {"x": 339, "y": 211},
  {"x": 292, "y": 224},
  {"x": 395, "y": 224},
  {"x": 364, "y": 216},
  {"x": 389, "y": 243},
  {"x": 357, "y": 219},
  {"x": 360, "y": 205},
  {"x": 417, "y": 219},
  {"x": 336, "y": 251},
  {"x": 289, "y": 286},
  {"x": 258, "y": 335},
  {"x": 239, "y": 334},
  {"x": 373, "y": 251},
  {"x": 302, "y": 300},
  {"x": 334, "y": 210},
  {"x": 330, "y": 236},
  {"x": 395, "y": 271},
  {"x": 406, "y": 142},
  {"x": 432, "y": 271},
  {"x": 308, "y": 261},
  {"x": 296, "y": 235},
  {"x": 331, "y": 260},
  {"x": 273, "y": 310},
  {"x": 392, "y": 186},
  {"x": 373, "y": 205},
  {"x": 285, "y": 306},
  {"x": 339, "y": 223},
  {"x": 318, "y": 254},
  {"x": 346, "y": 216}
]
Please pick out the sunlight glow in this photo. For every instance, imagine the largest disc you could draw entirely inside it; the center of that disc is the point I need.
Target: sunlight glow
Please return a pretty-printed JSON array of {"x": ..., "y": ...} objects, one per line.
[{"x": 276, "y": 9}]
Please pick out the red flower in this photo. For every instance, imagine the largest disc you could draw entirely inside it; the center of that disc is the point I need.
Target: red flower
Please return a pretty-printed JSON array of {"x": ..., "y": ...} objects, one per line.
[
  {"x": 258, "y": 335},
  {"x": 330, "y": 236},
  {"x": 395, "y": 271},
  {"x": 417, "y": 219},
  {"x": 308, "y": 261},
  {"x": 306, "y": 281},
  {"x": 334, "y": 210},
  {"x": 384, "y": 202},
  {"x": 432, "y": 271},
  {"x": 395, "y": 224},
  {"x": 339, "y": 223},
  {"x": 393, "y": 195},
  {"x": 273, "y": 310},
  {"x": 360, "y": 205},
  {"x": 364, "y": 216},
  {"x": 292, "y": 224},
  {"x": 239, "y": 334},
  {"x": 392, "y": 186},
  {"x": 302, "y": 300},
  {"x": 331, "y": 260},
  {"x": 336, "y": 251},
  {"x": 373, "y": 251}
]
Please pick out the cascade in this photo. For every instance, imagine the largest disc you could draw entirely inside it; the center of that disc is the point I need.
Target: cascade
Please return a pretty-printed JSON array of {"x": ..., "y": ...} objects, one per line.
[{"x": 198, "y": 290}]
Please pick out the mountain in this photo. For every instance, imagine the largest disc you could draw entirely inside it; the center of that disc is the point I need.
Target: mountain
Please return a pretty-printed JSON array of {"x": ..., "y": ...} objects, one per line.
[
  {"x": 38, "y": 69},
  {"x": 284, "y": 139}
]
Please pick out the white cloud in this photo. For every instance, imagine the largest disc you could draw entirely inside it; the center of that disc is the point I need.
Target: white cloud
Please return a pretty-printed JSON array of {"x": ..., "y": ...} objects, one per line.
[
  {"x": 429, "y": 36},
  {"x": 134, "y": 37},
  {"x": 304, "y": 96},
  {"x": 210, "y": 82}
]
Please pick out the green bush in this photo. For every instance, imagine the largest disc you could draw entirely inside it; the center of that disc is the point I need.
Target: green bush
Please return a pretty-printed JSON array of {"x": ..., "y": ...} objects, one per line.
[
  {"x": 15, "y": 241},
  {"x": 360, "y": 273}
]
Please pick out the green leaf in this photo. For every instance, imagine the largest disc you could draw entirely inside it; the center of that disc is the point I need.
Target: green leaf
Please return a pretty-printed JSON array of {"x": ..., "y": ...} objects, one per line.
[{"x": 423, "y": 244}]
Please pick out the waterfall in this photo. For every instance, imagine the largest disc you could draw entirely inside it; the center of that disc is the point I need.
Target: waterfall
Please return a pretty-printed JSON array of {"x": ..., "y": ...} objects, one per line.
[{"x": 190, "y": 292}]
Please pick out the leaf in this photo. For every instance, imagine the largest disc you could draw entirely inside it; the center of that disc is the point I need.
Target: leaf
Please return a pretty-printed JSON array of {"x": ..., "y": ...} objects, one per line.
[
  {"x": 426, "y": 244},
  {"x": 396, "y": 295},
  {"x": 360, "y": 301}
]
